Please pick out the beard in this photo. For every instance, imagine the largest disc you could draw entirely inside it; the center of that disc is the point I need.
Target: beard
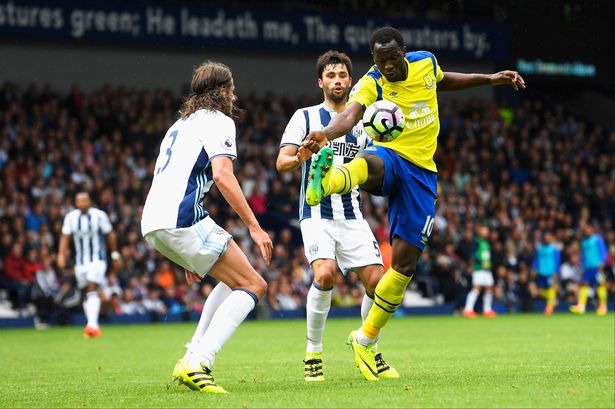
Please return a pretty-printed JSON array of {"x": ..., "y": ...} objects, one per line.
[{"x": 337, "y": 99}]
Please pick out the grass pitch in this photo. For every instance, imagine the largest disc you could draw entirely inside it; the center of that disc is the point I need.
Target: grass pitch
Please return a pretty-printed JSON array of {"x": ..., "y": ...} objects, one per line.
[{"x": 520, "y": 361}]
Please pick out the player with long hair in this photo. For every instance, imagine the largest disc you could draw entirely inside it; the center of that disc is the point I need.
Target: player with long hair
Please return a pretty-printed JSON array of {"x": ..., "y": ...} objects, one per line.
[{"x": 196, "y": 152}]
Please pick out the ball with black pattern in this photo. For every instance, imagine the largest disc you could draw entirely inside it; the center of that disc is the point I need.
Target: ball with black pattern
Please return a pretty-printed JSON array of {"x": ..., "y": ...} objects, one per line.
[{"x": 383, "y": 121}]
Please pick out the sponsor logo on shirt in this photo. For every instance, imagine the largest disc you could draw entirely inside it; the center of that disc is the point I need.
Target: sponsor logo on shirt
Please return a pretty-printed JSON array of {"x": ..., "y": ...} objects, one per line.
[
  {"x": 420, "y": 115},
  {"x": 346, "y": 149}
]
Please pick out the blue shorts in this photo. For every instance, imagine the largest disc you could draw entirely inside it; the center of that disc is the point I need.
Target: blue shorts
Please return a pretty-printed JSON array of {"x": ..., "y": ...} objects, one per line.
[
  {"x": 544, "y": 282},
  {"x": 412, "y": 192},
  {"x": 591, "y": 276}
]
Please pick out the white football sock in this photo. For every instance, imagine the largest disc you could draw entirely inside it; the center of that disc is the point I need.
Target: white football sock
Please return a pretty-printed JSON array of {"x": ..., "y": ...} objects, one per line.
[
  {"x": 317, "y": 308},
  {"x": 215, "y": 299},
  {"x": 471, "y": 300},
  {"x": 487, "y": 301},
  {"x": 364, "y": 339},
  {"x": 366, "y": 305},
  {"x": 225, "y": 321},
  {"x": 91, "y": 307}
]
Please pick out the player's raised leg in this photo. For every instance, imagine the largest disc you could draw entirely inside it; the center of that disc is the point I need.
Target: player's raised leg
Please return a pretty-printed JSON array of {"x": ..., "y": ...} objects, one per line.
[
  {"x": 325, "y": 179},
  {"x": 318, "y": 177}
]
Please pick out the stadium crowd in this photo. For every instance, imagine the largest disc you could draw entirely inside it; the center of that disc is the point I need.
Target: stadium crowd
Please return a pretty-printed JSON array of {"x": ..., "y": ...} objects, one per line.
[{"x": 524, "y": 170}]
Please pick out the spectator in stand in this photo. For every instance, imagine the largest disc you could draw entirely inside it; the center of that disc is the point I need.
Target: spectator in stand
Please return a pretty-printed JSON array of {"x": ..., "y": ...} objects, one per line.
[
  {"x": 164, "y": 276},
  {"x": 286, "y": 299},
  {"x": 153, "y": 304},
  {"x": 131, "y": 305},
  {"x": 570, "y": 274},
  {"x": 46, "y": 288},
  {"x": 17, "y": 278}
]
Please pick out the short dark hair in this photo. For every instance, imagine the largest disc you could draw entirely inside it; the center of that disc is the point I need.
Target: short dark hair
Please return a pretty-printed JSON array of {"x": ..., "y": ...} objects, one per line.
[
  {"x": 384, "y": 35},
  {"x": 333, "y": 57}
]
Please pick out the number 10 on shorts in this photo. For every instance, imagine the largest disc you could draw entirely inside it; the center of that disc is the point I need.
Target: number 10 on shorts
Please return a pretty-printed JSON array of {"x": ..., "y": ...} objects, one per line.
[{"x": 428, "y": 227}]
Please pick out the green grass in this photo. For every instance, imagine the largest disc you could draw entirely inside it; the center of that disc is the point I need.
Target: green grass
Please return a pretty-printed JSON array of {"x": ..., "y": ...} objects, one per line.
[{"x": 522, "y": 361}]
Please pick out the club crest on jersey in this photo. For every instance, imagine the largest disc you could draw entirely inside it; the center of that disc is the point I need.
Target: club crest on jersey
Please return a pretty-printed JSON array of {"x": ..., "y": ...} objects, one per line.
[
  {"x": 429, "y": 81},
  {"x": 313, "y": 249}
]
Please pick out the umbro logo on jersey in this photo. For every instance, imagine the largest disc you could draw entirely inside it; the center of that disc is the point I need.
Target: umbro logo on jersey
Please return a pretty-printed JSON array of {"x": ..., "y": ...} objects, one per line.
[{"x": 393, "y": 94}]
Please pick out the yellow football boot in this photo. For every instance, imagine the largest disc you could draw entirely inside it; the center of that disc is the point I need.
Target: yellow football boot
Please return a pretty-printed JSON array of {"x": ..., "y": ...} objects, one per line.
[
  {"x": 385, "y": 370},
  {"x": 313, "y": 367},
  {"x": 364, "y": 357},
  {"x": 198, "y": 377}
]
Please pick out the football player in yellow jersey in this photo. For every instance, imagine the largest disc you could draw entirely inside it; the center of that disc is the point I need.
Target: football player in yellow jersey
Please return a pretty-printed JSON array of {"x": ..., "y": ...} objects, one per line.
[{"x": 402, "y": 169}]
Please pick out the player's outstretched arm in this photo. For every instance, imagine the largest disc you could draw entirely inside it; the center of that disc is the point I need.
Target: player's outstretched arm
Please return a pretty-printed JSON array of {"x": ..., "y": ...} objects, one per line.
[
  {"x": 454, "y": 81},
  {"x": 340, "y": 125},
  {"x": 222, "y": 169},
  {"x": 290, "y": 158}
]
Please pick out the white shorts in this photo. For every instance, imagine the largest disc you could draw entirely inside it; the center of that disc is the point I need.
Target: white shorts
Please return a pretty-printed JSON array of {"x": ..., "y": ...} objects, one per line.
[
  {"x": 195, "y": 248},
  {"x": 350, "y": 242},
  {"x": 482, "y": 278},
  {"x": 93, "y": 272}
]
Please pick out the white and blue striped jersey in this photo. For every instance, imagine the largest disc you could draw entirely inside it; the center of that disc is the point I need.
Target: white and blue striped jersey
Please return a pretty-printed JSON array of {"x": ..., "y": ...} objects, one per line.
[
  {"x": 183, "y": 173},
  {"x": 345, "y": 148},
  {"x": 89, "y": 231}
]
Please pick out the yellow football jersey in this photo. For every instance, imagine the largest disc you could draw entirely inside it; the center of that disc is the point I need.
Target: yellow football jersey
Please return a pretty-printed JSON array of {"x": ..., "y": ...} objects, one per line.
[{"x": 416, "y": 96}]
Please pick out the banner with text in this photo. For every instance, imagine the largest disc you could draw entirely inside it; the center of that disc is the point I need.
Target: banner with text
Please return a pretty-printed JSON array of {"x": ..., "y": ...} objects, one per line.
[{"x": 198, "y": 26}]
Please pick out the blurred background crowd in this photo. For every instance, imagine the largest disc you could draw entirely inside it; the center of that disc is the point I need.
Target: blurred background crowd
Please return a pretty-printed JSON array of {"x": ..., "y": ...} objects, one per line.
[{"x": 524, "y": 170}]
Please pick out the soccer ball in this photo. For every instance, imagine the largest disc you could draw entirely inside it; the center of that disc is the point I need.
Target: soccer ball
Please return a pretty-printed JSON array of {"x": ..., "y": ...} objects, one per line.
[{"x": 383, "y": 121}]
